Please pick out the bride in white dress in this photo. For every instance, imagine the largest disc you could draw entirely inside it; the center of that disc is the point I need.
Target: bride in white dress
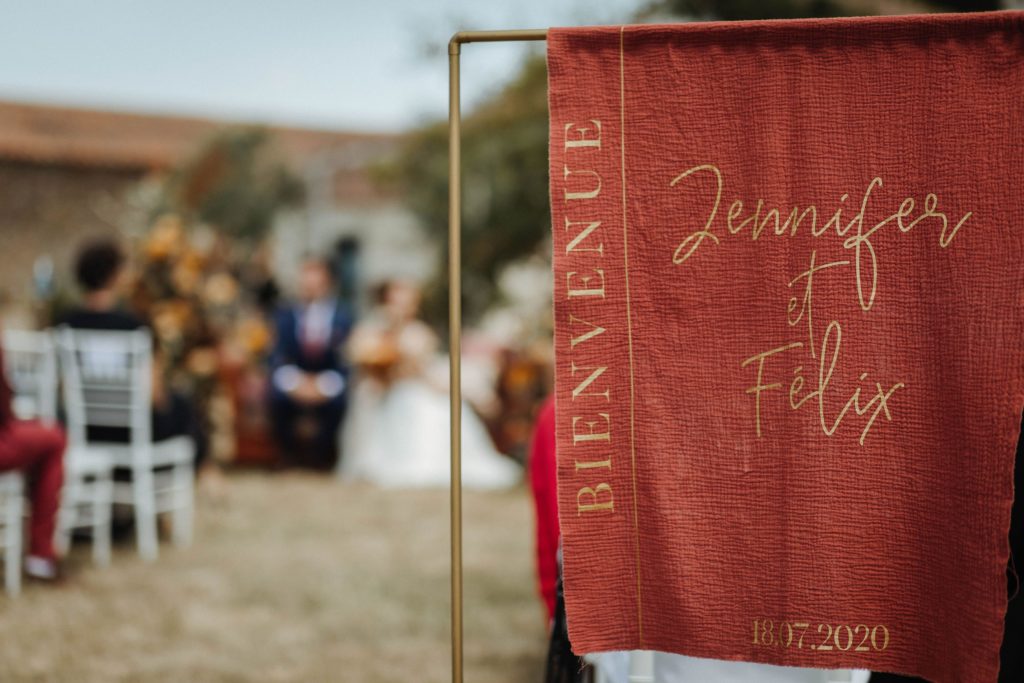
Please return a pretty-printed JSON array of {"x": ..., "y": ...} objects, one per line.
[{"x": 397, "y": 430}]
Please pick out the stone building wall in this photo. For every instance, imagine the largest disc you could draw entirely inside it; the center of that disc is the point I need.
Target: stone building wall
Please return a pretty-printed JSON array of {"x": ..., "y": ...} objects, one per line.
[{"x": 47, "y": 210}]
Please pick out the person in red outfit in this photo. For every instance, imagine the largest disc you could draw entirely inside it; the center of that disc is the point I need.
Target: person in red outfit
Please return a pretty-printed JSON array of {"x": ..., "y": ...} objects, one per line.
[
  {"x": 37, "y": 450},
  {"x": 562, "y": 665},
  {"x": 545, "y": 498}
]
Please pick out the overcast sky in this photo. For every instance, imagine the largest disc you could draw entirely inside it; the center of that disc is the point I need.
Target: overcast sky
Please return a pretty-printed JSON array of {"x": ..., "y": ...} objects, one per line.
[{"x": 368, "y": 65}]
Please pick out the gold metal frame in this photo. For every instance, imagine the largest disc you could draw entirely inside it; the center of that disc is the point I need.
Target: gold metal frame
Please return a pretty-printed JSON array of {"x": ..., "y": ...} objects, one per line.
[{"x": 455, "y": 305}]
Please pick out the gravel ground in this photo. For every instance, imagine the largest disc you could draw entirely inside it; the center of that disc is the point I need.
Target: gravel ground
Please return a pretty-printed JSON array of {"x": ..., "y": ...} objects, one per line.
[{"x": 293, "y": 578}]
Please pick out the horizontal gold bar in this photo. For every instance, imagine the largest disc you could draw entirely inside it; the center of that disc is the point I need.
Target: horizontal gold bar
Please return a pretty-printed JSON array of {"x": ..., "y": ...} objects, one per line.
[{"x": 495, "y": 37}]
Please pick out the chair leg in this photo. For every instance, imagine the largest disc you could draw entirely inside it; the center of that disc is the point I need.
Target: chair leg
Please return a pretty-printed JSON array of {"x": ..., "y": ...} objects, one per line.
[
  {"x": 12, "y": 542},
  {"x": 102, "y": 514},
  {"x": 184, "y": 505},
  {"x": 66, "y": 516},
  {"x": 144, "y": 494}
]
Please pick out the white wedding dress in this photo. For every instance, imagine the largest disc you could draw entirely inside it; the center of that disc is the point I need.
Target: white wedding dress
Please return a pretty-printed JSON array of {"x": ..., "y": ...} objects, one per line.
[
  {"x": 399, "y": 437},
  {"x": 396, "y": 434}
]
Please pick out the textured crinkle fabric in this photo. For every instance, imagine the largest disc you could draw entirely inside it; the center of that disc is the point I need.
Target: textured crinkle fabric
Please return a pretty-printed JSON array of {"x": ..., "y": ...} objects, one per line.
[{"x": 788, "y": 334}]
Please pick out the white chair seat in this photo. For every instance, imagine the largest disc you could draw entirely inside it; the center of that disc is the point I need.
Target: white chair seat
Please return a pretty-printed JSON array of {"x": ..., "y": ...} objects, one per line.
[
  {"x": 87, "y": 461},
  {"x": 166, "y": 457},
  {"x": 177, "y": 450}
]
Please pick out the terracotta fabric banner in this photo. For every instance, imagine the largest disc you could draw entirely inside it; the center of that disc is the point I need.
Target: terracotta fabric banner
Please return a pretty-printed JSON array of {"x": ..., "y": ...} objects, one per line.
[{"x": 788, "y": 303}]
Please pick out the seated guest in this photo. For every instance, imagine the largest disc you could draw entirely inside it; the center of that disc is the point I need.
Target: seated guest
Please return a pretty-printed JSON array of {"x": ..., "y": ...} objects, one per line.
[
  {"x": 542, "y": 467},
  {"x": 101, "y": 275},
  {"x": 562, "y": 665},
  {"x": 309, "y": 375},
  {"x": 36, "y": 450}
]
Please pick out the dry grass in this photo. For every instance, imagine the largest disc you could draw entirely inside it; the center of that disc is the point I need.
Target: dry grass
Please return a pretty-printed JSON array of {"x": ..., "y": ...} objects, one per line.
[{"x": 294, "y": 578}]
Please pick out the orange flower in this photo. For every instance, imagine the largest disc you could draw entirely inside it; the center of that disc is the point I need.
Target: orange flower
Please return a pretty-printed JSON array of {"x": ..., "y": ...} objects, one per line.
[
  {"x": 165, "y": 239},
  {"x": 220, "y": 289},
  {"x": 254, "y": 335}
]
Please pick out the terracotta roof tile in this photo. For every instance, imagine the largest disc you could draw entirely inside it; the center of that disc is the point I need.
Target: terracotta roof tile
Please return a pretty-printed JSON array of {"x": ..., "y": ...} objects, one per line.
[{"x": 86, "y": 137}]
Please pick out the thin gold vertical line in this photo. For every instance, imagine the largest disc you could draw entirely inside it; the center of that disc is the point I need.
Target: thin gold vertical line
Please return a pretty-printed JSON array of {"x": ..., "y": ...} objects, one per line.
[
  {"x": 455, "y": 311},
  {"x": 455, "y": 344},
  {"x": 629, "y": 330}
]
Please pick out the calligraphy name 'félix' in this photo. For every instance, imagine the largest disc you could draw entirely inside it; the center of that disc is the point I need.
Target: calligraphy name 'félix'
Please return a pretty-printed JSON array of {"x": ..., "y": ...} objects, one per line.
[
  {"x": 857, "y": 233},
  {"x": 877, "y": 406}
]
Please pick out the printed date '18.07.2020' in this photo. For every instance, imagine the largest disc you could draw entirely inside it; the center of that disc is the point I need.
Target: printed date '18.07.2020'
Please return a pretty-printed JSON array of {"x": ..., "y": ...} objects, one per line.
[{"x": 820, "y": 637}]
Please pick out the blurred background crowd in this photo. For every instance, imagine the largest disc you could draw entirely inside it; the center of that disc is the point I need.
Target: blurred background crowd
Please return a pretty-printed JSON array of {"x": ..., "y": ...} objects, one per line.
[{"x": 290, "y": 265}]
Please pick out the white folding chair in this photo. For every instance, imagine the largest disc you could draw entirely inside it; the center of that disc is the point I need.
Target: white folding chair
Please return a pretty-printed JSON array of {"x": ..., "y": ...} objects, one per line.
[
  {"x": 31, "y": 364},
  {"x": 87, "y": 494},
  {"x": 12, "y": 501},
  {"x": 645, "y": 666},
  {"x": 108, "y": 380}
]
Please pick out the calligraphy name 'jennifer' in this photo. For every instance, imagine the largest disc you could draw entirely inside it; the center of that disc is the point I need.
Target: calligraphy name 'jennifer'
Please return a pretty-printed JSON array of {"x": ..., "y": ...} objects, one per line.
[{"x": 856, "y": 232}]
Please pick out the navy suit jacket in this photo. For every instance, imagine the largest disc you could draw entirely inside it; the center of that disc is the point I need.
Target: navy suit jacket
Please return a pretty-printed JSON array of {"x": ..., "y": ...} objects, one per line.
[{"x": 288, "y": 348}]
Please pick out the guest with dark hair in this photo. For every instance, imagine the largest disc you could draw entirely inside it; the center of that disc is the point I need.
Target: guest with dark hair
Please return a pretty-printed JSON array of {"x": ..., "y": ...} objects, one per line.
[
  {"x": 101, "y": 272},
  {"x": 308, "y": 371},
  {"x": 37, "y": 450}
]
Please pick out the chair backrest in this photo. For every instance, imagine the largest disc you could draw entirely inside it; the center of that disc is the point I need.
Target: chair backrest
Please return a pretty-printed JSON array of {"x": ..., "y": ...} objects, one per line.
[
  {"x": 30, "y": 360},
  {"x": 107, "y": 379}
]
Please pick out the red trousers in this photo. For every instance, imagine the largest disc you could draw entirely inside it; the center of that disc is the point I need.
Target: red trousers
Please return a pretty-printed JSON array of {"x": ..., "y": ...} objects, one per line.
[{"x": 37, "y": 451}]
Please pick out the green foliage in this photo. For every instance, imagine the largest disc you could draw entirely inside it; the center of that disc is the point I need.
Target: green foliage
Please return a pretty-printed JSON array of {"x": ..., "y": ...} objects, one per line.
[
  {"x": 235, "y": 183},
  {"x": 505, "y": 186}
]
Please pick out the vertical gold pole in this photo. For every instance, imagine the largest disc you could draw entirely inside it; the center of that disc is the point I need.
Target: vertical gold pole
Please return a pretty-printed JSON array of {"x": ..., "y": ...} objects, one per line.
[
  {"x": 455, "y": 307},
  {"x": 455, "y": 344}
]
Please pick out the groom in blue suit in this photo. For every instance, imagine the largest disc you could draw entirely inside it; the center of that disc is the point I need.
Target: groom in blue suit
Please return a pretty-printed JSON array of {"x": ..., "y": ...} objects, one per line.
[{"x": 309, "y": 374}]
